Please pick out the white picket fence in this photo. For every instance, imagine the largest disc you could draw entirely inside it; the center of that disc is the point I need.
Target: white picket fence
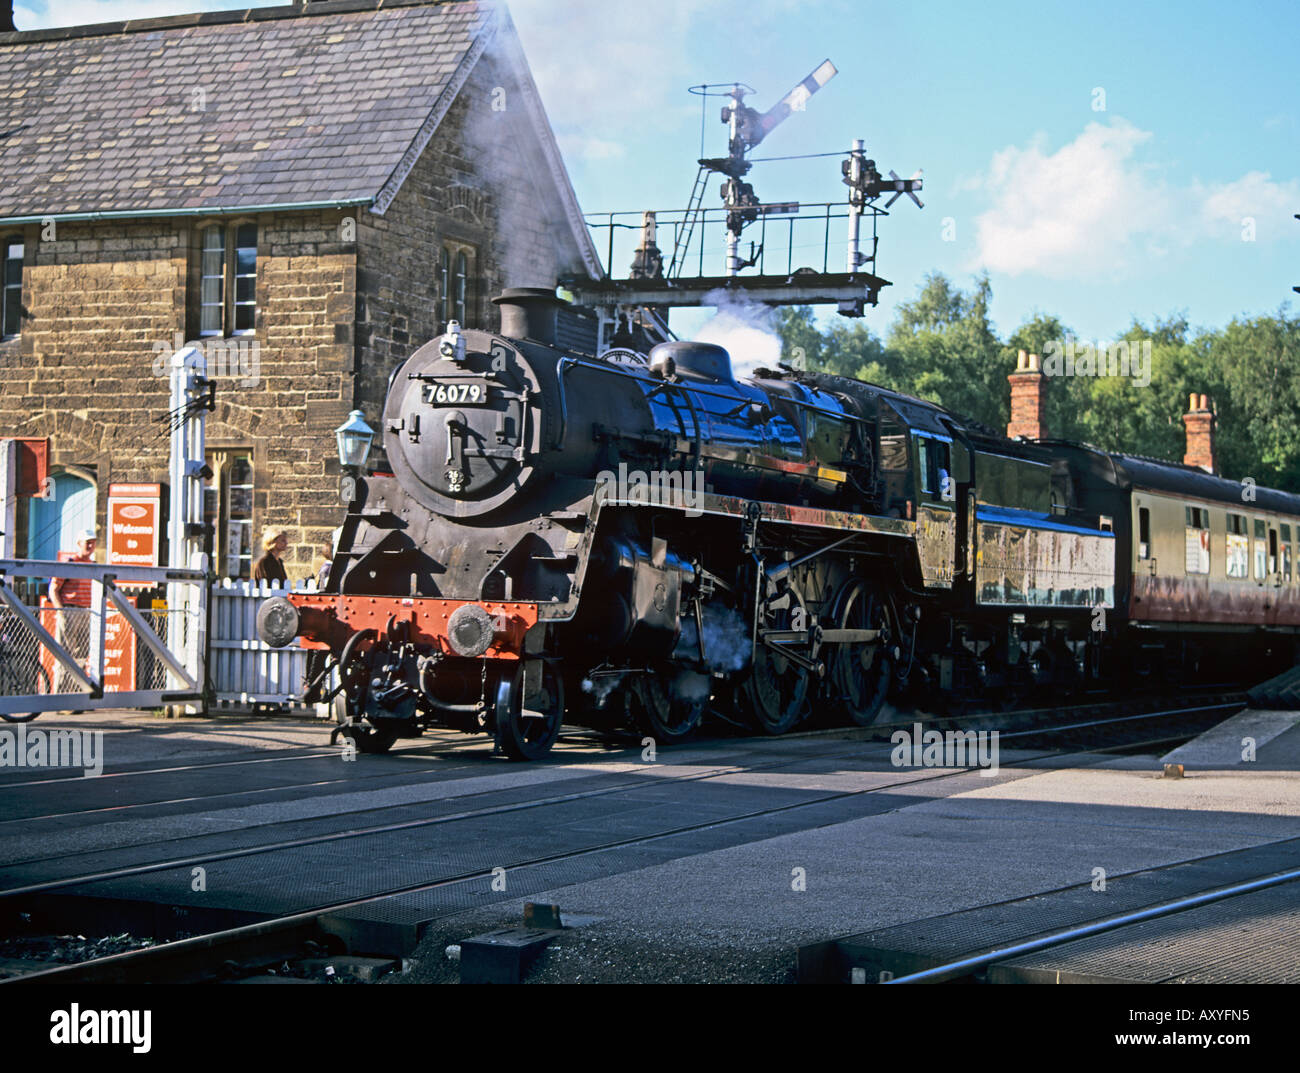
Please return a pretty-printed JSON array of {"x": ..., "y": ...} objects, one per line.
[{"x": 242, "y": 670}]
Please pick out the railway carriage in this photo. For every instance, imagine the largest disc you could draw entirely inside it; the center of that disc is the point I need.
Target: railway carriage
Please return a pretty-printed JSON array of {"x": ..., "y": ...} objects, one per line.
[{"x": 633, "y": 541}]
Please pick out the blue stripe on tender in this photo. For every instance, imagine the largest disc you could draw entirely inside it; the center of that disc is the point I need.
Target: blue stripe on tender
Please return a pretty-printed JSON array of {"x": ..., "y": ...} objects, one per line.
[{"x": 1007, "y": 516}]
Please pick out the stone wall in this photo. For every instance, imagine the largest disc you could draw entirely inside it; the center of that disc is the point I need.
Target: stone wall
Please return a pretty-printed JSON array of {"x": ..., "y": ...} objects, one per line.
[{"x": 107, "y": 303}]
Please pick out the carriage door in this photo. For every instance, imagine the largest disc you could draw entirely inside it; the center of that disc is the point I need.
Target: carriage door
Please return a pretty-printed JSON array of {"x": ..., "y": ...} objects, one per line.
[{"x": 936, "y": 515}]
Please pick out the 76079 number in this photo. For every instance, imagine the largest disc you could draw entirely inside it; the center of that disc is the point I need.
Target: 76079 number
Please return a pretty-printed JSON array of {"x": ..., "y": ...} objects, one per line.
[{"x": 456, "y": 394}]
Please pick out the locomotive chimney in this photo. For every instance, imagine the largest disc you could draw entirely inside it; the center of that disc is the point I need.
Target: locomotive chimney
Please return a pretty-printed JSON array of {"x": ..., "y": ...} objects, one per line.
[
  {"x": 1028, "y": 399},
  {"x": 1199, "y": 420},
  {"x": 530, "y": 313}
]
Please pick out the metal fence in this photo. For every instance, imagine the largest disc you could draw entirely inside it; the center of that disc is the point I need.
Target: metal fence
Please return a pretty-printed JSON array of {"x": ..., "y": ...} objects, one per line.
[
  {"x": 125, "y": 637},
  {"x": 242, "y": 670}
]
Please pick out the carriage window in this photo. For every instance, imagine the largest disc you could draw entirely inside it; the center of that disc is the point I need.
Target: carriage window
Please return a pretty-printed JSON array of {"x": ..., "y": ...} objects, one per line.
[
  {"x": 1261, "y": 553},
  {"x": 1238, "y": 546},
  {"x": 1144, "y": 532},
  {"x": 1286, "y": 552},
  {"x": 1272, "y": 550},
  {"x": 1197, "y": 541}
]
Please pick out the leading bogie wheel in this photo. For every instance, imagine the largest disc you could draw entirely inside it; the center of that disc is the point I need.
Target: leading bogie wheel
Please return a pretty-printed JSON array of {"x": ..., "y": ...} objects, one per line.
[
  {"x": 528, "y": 719},
  {"x": 366, "y": 738}
]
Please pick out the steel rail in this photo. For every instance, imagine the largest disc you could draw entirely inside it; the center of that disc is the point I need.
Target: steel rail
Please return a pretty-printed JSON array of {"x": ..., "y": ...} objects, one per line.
[{"x": 968, "y": 965}]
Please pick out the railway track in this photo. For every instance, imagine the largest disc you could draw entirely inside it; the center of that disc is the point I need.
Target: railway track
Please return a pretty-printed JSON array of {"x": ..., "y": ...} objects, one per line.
[
  {"x": 977, "y": 966},
  {"x": 266, "y": 941},
  {"x": 1012, "y": 725}
]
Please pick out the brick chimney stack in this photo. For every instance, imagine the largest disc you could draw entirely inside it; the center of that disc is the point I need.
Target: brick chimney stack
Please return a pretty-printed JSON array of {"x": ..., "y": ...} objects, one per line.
[
  {"x": 1028, "y": 399},
  {"x": 1199, "y": 420}
]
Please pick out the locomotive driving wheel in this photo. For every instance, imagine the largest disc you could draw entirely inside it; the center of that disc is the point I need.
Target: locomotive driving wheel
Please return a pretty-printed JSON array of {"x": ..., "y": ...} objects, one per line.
[
  {"x": 670, "y": 707},
  {"x": 861, "y": 674},
  {"x": 776, "y": 693},
  {"x": 528, "y": 719}
]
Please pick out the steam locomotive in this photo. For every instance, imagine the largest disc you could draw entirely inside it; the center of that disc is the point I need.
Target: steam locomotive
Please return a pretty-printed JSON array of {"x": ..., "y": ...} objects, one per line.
[{"x": 633, "y": 539}]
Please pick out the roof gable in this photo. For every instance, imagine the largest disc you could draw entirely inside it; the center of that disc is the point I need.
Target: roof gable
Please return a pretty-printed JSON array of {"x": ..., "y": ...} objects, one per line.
[{"x": 309, "y": 106}]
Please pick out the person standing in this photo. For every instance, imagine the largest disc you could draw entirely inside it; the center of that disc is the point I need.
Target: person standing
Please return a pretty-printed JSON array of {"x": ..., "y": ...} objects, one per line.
[
  {"x": 275, "y": 542},
  {"x": 326, "y": 554}
]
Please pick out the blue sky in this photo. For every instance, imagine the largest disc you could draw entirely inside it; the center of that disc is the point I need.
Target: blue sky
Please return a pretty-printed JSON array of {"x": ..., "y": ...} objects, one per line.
[{"x": 1103, "y": 161}]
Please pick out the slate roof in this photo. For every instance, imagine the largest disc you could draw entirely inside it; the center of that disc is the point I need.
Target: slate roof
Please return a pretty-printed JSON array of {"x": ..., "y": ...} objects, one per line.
[{"x": 298, "y": 105}]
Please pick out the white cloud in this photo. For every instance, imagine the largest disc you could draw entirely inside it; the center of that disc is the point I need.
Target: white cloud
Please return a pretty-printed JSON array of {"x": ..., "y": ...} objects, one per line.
[
  {"x": 1255, "y": 196},
  {"x": 1081, "y": 211},
  {"x": 616, "y": 72},
  {"x": 1092, "y": 210}
]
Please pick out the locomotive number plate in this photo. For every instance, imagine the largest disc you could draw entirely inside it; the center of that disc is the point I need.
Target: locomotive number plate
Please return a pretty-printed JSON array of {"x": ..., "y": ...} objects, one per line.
[{"x": 457, "y": 393}]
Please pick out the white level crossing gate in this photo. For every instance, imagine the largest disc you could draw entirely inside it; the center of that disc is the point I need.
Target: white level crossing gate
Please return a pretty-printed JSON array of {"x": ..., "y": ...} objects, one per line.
[{"x": 105, "y": 652}]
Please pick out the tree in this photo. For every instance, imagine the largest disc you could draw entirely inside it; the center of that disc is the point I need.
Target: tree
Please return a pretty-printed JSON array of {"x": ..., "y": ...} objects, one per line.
[{"x": 942, "y": 347}]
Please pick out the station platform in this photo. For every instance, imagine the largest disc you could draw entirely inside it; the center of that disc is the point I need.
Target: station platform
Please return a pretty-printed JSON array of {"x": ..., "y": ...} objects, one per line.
[{"x": 714, "y": 862}]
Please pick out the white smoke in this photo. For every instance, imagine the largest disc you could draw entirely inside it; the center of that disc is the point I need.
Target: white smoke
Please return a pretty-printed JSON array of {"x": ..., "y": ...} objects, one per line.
[
  {"x": 691, "y": 686},
  {"x": 726, "y": 639},
  {"x": 745, "y": 328},
  {"x": 600, "y": 688}
]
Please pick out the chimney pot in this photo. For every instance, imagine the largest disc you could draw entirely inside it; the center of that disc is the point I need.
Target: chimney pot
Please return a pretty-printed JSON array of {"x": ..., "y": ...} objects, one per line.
[
  {"x": 1028, "y": 402},
  {"x": 1199, "y": 422}
]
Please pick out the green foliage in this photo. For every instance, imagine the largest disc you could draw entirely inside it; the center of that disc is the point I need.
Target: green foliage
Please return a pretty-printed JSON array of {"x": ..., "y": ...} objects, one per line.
[{"x": 942, "y": 347}]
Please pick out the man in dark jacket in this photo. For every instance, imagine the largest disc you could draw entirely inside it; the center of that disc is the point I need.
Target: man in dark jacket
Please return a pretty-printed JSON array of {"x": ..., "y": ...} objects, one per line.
[{"x": 275, "y": 542}]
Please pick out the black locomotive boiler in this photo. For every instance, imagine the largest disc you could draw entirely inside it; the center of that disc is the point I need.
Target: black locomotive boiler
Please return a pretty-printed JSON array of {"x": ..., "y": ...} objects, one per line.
[{"x": 566, "y": 536}]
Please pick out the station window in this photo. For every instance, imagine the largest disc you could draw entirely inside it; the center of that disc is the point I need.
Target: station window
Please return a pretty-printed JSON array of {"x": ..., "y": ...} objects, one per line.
[
  {"x": 455, "y": 290},
  {"x": 444, "y": 284},
  {"x": 460, "y": 289},
  {"x": 228, "y": 511},
  {"x": 1144, "y": 532},
  {"x": 227, "y": 300},
  {"x": 11, "y": 317}
]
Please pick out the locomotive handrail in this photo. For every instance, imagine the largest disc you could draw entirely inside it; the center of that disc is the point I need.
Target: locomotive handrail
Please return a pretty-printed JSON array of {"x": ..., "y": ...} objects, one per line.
[{"x": 661, "y": 384}]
